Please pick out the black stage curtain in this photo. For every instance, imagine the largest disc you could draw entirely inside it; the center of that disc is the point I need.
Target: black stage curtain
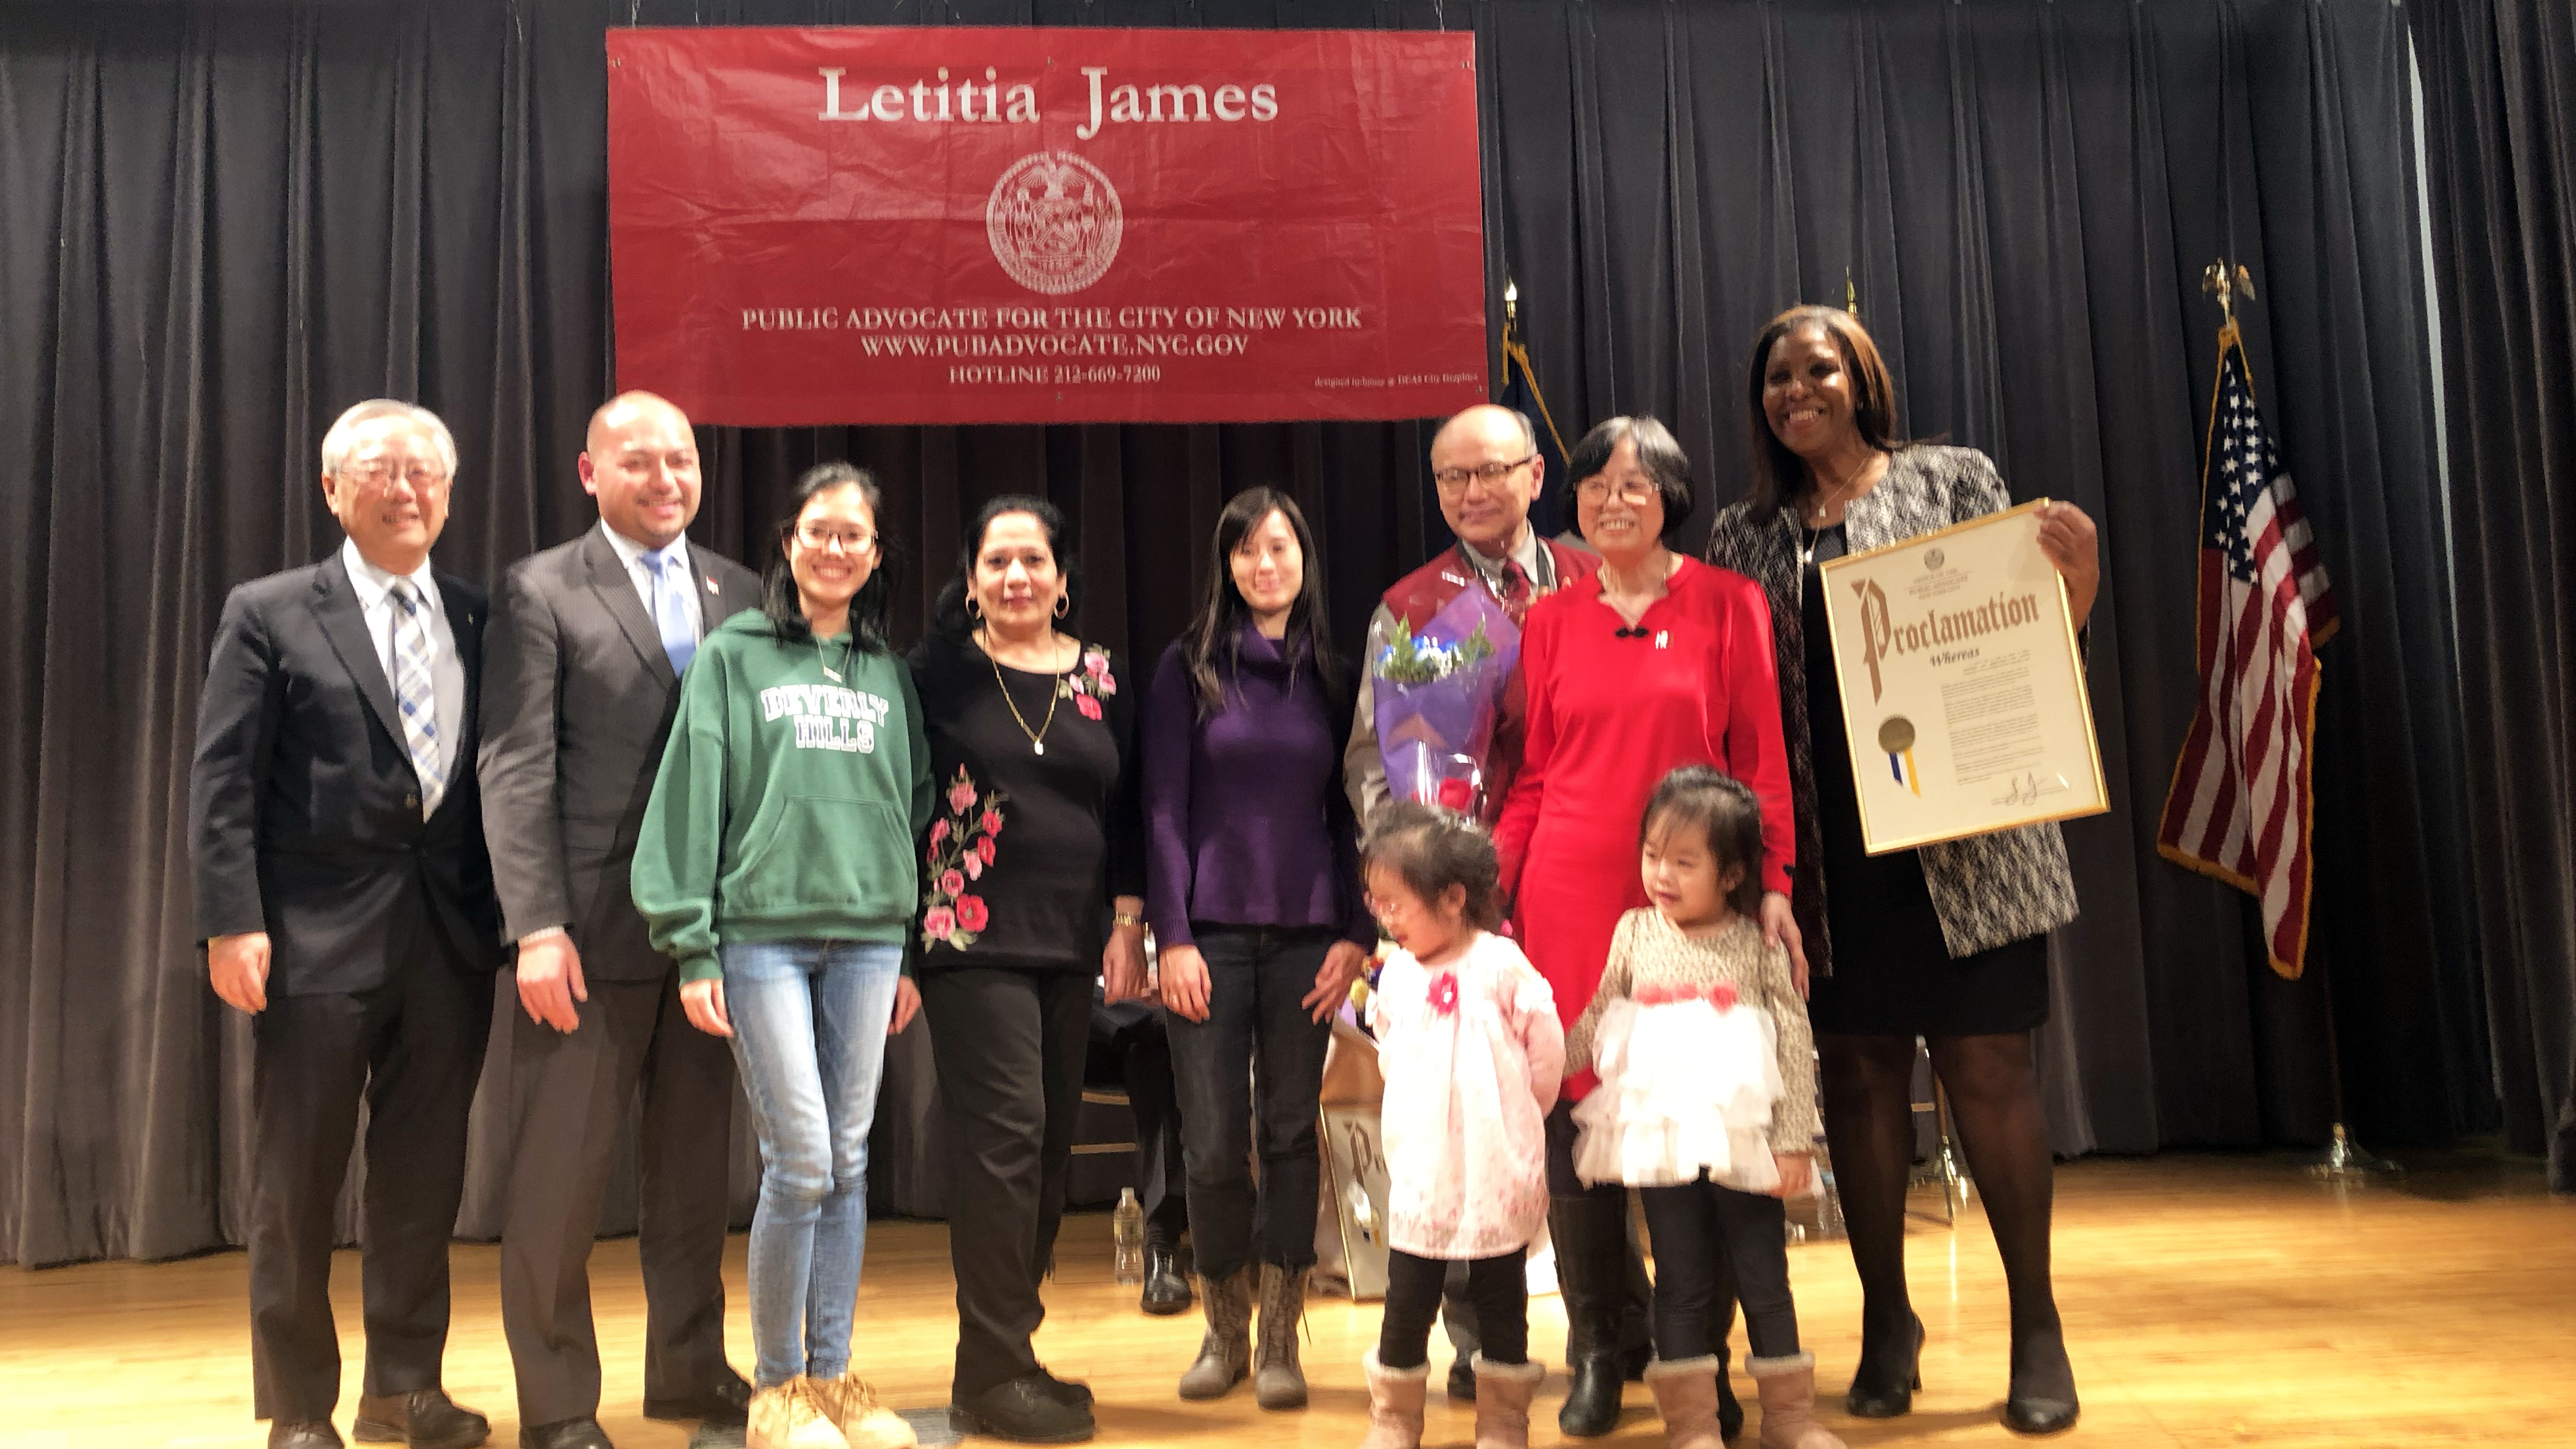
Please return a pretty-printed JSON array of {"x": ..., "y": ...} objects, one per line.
[
  {"x": 227, "y": 221},
  {"x": 2499, "y": 81}
]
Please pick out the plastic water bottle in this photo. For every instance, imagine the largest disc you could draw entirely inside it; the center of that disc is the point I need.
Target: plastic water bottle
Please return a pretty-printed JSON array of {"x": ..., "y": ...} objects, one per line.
[{"x": 1127, "y": 1231}]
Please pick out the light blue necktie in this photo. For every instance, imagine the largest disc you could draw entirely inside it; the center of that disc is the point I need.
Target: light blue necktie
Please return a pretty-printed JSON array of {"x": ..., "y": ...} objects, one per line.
[
  {"x": 671, "y": 606},
  {"x": 417, "y": 695}
]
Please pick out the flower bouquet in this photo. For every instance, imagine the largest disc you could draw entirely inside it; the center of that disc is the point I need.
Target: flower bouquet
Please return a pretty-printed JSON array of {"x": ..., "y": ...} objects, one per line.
[{"x": 1437, "y": 692}]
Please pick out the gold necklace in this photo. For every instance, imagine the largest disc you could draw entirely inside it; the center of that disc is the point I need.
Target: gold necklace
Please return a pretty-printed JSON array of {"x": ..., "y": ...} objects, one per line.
[{"x": 1037, "y": 737}]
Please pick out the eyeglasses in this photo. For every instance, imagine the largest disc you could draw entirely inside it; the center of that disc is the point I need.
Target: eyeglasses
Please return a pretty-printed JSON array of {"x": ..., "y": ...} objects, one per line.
[
  {"x": 1454, "y": 481},
  {"x": 1597, "y": 490},
  {"x": 379, "y": 475},
  {"x": 851, "y": 540}
]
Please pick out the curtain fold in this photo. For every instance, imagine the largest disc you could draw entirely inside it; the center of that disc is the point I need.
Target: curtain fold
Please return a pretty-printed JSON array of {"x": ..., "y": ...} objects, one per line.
[
  {"x": 2499, "y": 85},
  {"x": 229, "y": 221}
]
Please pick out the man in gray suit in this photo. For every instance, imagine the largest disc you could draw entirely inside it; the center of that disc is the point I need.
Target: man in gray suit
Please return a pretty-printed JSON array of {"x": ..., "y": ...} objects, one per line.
[{"x": 587, "y": 644}]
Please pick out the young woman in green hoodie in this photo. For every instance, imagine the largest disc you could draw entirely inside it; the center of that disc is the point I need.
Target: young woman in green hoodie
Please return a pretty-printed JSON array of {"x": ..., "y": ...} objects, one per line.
[{"x": 777, "y": 868}]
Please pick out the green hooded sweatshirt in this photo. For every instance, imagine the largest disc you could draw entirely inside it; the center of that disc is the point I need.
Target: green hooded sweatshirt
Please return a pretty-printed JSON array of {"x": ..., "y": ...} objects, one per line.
[{"x": 788, "y": 801}]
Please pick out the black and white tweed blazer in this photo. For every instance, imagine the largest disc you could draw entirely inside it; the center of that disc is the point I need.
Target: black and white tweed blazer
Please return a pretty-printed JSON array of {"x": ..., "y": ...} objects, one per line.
[{"x": 1987, "y": 889}]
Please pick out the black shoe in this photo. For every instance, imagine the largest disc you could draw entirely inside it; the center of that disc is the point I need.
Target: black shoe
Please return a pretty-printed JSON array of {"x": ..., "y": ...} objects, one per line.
[
  {"x": 1166, "y": 1291},
  {"x": 726, "y": 1403},
  {"x": 423, "y": 1419},
  {"x": 1730, "y": 1414},
  {"x": 581, "y": 1433},
  {"x": 1590, "y": 1235},
  {"x": 2040, "y": 1416},
  {"x": 1024, "y": 1409},
  {"x": 1066, "y": 1391},
  {"x": 1462, "y": 1382},
  {"x": 303, "y": 1434},
  {"x": 1884, "y": 1385},
  {"x": 2042, "y": 1397}
]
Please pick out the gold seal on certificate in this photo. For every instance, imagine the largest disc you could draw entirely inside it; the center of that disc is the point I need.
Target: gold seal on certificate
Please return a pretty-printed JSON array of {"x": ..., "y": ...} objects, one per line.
[{"x": 1963, "y": 691}]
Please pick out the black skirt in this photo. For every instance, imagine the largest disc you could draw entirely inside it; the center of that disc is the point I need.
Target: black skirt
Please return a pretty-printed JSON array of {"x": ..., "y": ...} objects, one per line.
[{"x": 1893, "y": 974}]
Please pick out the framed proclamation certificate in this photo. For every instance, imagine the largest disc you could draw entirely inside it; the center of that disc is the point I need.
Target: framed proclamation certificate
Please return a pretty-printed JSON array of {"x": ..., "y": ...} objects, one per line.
[{"x": 1963, "y": 691}]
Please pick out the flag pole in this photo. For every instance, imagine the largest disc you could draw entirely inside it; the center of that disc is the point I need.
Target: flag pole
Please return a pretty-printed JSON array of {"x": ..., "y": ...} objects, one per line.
[{"x": 2344, "y": 1163}]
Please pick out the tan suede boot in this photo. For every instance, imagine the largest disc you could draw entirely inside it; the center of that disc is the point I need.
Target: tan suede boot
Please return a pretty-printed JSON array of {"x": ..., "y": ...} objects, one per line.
[
  {"x": 1395, "y": 1404},
  {"x": 1277, "y": 1380},
  {"x": 851, "y": 1404},
  {"x": 1503, "y": 1393},
  {"x": 1225, "y": 1354},
  {"x": 1686, "y": 1395},
  {"x": 1787, "y": 1388}
]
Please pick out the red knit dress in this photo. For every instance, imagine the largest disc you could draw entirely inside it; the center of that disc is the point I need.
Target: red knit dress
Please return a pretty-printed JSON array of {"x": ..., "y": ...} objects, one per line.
[{"x": 1609, "y": 717}]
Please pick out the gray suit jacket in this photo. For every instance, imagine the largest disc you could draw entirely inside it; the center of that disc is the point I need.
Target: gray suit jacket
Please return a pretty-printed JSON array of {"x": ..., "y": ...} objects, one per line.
[{"x": 577, "y": 703}]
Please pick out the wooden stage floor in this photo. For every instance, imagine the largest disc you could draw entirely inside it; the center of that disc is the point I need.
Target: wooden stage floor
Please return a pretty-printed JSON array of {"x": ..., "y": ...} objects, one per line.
[{"x": 2208, "y": 1301}]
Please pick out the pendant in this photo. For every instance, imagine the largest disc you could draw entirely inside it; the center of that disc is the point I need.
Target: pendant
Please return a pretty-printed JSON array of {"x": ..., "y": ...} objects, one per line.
[
  {"x": 1807, "y": 557},
  {"x": 1038, "y": 745},
  {"x": 831, "y": 674}
]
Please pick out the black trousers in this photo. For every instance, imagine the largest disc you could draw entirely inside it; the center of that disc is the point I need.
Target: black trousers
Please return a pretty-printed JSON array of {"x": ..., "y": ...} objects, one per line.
[
  {"x": 1009, "y": 1046},
  {"x": 1702, "y": 1229},
  {"x": 1128, "y": 1046},
  {"x": 1636, "y": 1310},
  {"x": 411, "y": 1049},
  {"x": 1249, "y": 1078},
  {"x": 1498, "y": 1286},
  {"x": 570, "y": 1094}
]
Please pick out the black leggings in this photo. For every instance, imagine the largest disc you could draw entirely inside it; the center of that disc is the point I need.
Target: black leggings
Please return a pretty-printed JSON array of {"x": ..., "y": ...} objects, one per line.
[
  {"x": 1701, "y": 1228},
  {"x": 1498, "y": 1286}
]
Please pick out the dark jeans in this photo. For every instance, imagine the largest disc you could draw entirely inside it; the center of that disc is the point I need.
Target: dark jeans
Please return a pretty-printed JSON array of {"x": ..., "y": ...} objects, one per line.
[
  {"x": 1259, "y": 1047},
  {"x": 1130, "y": 1048},
  {"x": 1009, "y": 1046},
  {"x": 1499, "y": 1287},
  {"x": 1700, "y": 1229}
]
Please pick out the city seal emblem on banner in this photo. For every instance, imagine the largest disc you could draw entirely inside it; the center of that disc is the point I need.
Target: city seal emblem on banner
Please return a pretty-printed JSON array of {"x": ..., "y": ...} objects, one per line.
[{"x": 1053, "y": 220}]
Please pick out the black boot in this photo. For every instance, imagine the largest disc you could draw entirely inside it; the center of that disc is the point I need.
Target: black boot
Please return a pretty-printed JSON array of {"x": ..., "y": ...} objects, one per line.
[
  {"x": 1721, "y": 1327},
  {"x": 1590, "y": 1234}
]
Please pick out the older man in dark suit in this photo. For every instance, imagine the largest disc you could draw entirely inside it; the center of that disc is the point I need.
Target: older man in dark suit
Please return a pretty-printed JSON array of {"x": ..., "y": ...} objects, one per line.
[
  {"x": 588, "y": 644},
  {"x": 345, "y": 901}
]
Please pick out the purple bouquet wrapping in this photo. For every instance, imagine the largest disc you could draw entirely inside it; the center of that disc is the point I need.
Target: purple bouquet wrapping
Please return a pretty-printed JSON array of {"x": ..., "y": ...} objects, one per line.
[{"x": 1437, "y": 689}]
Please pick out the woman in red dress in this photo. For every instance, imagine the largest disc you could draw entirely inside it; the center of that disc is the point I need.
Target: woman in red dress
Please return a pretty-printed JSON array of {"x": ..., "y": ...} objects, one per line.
[{"x": 1657, "y": 661}]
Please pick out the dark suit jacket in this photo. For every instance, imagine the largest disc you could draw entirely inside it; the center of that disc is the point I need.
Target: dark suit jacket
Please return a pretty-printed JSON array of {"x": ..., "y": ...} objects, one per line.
[
  {"x": 577, "y": 705},
  {"x": 303, "y": 809}
]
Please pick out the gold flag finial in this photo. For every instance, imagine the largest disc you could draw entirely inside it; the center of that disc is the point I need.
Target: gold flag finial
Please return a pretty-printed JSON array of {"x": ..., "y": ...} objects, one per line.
[
  {"x": 1851, "y": 294},
  {"x": 2226, "y": 285}
]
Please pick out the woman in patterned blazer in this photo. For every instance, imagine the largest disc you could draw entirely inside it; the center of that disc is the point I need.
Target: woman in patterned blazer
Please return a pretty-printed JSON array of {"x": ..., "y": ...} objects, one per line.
[{"x": 1948, "y": 942}]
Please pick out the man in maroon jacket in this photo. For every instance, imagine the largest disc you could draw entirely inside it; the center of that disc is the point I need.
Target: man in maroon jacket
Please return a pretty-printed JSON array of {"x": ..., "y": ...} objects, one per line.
[{"x": 1486, "y": 464}]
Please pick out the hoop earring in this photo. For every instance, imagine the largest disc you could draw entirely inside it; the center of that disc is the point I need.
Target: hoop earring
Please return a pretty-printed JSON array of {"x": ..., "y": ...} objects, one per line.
[
  {"x": 974, "y": 607},
  {"x": 1063, "y": 605}
]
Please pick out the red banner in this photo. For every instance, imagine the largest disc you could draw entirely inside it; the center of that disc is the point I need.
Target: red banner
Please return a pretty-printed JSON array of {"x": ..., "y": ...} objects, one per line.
[{"x": 950, "y": 225}]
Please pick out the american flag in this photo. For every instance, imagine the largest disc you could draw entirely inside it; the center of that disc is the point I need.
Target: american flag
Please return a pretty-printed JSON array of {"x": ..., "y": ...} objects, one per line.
[{"x": 2240, "y": 801}]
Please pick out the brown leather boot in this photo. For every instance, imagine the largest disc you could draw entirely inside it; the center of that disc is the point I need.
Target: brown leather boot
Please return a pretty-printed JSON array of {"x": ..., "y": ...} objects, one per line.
[
  {"x": 1686, "y": 1395},
  {"x": 1787, "y": 1388},
  {"x": 1395, "y": 1404},
  {"x": 1503, "y": 1394}
]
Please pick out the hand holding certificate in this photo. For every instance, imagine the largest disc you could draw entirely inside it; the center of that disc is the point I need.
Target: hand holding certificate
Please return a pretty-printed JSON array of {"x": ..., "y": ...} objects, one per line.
[{"x": 1963, "y": 691}]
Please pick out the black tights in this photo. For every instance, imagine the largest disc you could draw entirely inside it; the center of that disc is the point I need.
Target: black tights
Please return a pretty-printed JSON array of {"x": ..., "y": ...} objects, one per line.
[
  {"x": 1869, "y": 1120},
  {"x": 1497, "y": 1286}
]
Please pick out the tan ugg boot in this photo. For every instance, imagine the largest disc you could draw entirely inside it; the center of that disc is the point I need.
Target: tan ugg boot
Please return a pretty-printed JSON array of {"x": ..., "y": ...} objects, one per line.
[
  {"x": 1503, "y": 1393},
  {"x": 1395, "y": 1404},
  {"x": 1225, "y": 1354},
  {"x": 1686, "y": 1395},
  {"x": 790, "y": 1416},
  {"x": 852, "y": 1407},
  {"x": 1787, "y": 1389},
  {"x": 1277, "y": 1380}
]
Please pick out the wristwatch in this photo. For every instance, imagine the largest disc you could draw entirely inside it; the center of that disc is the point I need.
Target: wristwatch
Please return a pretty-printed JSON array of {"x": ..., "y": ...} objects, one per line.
[{"x": 1126, "y": 918}]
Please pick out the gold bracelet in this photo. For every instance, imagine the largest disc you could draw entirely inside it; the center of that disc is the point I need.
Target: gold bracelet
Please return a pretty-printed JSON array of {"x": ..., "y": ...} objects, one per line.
[{"x": 1126, "y": 918}]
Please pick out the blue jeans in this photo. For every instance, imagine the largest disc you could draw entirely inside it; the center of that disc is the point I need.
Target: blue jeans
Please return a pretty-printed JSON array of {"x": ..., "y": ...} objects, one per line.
[{"x": 809, "y": 1034}]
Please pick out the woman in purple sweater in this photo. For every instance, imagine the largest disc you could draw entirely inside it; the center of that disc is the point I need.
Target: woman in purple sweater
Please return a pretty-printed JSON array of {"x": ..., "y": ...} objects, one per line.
[{"x": 1253, "y": 893}]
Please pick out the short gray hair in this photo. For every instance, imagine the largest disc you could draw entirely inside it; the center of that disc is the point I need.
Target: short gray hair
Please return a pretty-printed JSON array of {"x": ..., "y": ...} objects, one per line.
[{"x": 343, "y": 436}]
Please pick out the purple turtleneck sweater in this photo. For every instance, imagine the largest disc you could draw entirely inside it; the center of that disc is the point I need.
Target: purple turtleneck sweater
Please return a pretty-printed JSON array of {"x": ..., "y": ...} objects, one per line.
[{"x": 1245, "y": 819}]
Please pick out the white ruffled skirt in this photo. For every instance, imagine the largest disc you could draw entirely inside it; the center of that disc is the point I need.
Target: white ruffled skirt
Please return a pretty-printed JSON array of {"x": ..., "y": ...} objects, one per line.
[{"x": 1685, "y": 1088}]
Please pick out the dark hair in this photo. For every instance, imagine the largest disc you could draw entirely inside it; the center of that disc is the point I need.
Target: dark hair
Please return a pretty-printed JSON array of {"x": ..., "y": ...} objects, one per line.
[
  {"x": 1219, "y": 625},
  {"x": 1658, "y": 454},
  {"x": 1728, "y": 816},
  {"x": 949, "y": 615},
  {"x": 1778, "y": 474},
  {"x": 874, "y": 603},
  {"x": 1431, "y": 849}
]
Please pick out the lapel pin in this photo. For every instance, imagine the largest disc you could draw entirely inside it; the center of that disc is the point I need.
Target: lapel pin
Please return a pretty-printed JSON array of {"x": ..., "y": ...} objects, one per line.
[
  {"x": 711, "y": 586},
  {"x": 1663, "y": 637}
]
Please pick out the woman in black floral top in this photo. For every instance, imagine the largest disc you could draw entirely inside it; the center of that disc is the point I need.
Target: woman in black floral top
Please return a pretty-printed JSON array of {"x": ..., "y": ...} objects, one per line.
[{"x": 1035, "y": 838}]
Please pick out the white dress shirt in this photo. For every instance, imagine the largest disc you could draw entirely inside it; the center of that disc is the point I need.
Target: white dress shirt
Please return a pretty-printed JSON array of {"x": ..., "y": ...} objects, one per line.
[
  {"x": 631, "y": 554},
  {"x": 446, "y": 670}
]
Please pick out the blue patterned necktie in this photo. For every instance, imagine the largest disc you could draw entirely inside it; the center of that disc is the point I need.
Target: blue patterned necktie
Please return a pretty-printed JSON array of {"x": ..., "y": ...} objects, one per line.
[
  {"x": 417, "y": 694},
  {"x": 671, "y": 607}
]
